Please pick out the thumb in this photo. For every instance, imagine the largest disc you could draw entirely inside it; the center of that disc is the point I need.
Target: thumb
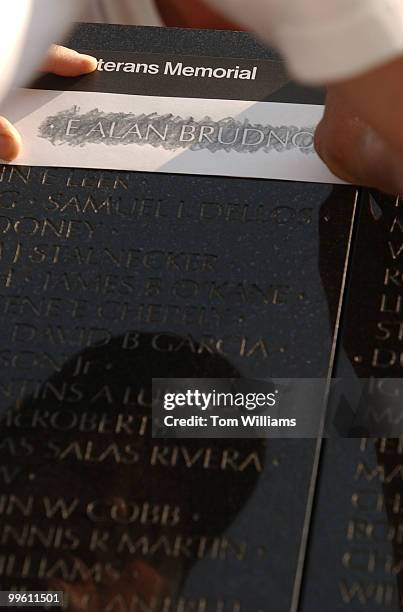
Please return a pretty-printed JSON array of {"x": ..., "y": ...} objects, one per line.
[
  {"x": 61, "y": 61},
  {"x": 68, "y": 63},
  {"x": 10, "y": 141},
  {"x": 354, "y": 151}
]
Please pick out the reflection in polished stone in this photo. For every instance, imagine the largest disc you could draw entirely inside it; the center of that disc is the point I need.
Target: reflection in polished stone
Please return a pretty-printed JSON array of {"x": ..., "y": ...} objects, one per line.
[
  {"x": 117, "y": 278},
  {"x": 100, "y": 510}
]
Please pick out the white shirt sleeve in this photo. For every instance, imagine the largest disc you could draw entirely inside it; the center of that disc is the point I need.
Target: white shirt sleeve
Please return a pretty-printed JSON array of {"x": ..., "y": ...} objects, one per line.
[
  {"x": 325, "y": 40},
  {"x": 27, "y": 29}
]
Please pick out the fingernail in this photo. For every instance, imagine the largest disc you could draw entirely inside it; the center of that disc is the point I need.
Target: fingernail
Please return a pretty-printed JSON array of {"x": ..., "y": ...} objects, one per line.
[
  {"x": 10, "y": 141},
  {"x": 88, "y": 63}
]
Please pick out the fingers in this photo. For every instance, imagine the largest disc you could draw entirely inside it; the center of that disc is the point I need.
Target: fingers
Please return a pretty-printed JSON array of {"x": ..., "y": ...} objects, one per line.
[
  {"x": 377, "y": 98},
  {"x": 361, "y": 135},
  {"x": 354, "y": 151},
  {"x": 68, "y": 63},
  {"x": 10, "y": 141},
  {"x": 61, "y": 61}
]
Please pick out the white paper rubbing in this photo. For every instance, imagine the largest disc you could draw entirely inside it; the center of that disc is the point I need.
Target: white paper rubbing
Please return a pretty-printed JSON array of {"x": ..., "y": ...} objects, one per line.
[{"x": 235, "y": 138}]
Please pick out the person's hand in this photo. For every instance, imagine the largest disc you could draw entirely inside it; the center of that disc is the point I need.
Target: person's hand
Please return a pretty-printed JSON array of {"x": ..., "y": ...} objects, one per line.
[
  {"x": 61, "y": 61},
  {"x": 361, "y": 135}
]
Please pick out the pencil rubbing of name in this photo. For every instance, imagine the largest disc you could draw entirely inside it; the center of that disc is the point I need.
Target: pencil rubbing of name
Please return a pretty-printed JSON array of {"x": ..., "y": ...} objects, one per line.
[{"x": 173, "y": 132}]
